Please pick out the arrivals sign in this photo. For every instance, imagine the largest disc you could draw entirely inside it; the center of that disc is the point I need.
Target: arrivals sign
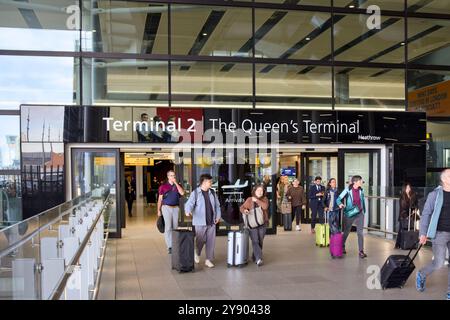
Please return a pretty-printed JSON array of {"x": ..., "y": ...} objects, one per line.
[{"x": 434, "y": 100}]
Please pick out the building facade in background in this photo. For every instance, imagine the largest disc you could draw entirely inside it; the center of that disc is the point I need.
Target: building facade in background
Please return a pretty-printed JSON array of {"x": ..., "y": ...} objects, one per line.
[{"x": 341, "y": 55}]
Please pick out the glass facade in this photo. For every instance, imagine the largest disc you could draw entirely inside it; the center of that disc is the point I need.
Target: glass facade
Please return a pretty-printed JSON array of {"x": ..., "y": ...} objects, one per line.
[{"x": 370, "y": 55}]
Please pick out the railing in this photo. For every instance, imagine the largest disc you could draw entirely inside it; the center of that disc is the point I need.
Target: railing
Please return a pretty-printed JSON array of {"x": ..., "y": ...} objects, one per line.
[
  {"x": 383, "y": 209},
  {"x": 57, "y": 254}
]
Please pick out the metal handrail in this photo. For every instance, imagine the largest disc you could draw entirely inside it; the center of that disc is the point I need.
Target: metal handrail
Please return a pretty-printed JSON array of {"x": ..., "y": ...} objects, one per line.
[
  {"x": 102, "y": 262},
  {"x": 380, "y": 230},
  {"x": 40, "y": 228},
  {"x": 383, "y": 197},
  {"x": 58, "y": 291}
]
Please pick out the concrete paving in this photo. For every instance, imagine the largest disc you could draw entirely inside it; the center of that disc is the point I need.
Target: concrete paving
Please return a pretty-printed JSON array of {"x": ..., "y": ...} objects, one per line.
[{"x": 294, "y": 268}]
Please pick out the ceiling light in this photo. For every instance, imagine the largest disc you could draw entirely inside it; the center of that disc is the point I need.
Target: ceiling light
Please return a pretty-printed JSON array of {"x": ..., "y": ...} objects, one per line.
[
  {"x": 402, "y": 43},
  {"x": 351, "y": 6},
  {"x": 308, "y": 38},
  {"x": 205, "y": 34}
]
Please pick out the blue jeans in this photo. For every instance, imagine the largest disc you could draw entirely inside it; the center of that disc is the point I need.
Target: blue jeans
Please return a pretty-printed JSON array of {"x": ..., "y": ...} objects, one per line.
[{"x": 333, "y": 221}]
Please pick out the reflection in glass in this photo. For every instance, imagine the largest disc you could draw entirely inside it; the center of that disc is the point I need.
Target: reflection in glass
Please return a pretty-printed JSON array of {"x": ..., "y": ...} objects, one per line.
[
  {"x": 211, "y": 31},
  {"x": 96, "y": 170},
  {"x": 302, "y": 87},
  {"x": 42, "y": 176},
  {"x": 435, "y": 6},
  {"x": 39, "y": 25},
  {"x": 10, "y": 188},
  {"x": 354, "y": 41},
  {"x": 395, "y": 5},
  {"x": 126, "y": 81},
  {"x": 212, "y": 84},
  {"x": 369, "y": 89},
  {"x": 37, "y": 80},
  {"x": 326, "y": 3},
  {"x": 428, "y": 41},
  {"x": 41, "y": 124},
  {"x": 126, "y": 27},
  {"x": 292, "y": 34}
]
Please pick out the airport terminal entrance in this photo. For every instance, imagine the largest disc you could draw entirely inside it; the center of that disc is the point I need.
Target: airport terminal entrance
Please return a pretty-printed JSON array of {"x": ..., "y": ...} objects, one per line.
[
  {"x": 340, "y": 164},
  {"x": 141, "y": 170}
]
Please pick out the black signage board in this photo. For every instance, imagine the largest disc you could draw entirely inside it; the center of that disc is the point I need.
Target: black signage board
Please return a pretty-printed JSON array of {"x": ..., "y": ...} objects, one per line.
[{"x": 118, "y": 124}]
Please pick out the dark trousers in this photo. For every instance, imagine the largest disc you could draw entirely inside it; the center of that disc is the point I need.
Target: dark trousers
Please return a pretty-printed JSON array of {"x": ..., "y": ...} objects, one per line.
[
  {"x": 297, "y": 213},
  {"x": 316, "y": 209},
  {"x": 399, "y": 234},
  {"x": 257, "y": 237},
  {"x": 130, "y": 205},
  {"x": 333, "y": 221},
  {"x": 359, "y": 221}
]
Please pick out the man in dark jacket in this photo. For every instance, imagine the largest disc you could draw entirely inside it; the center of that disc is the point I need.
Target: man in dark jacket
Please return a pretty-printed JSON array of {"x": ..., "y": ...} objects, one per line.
[{"x": 315, "y": 196}]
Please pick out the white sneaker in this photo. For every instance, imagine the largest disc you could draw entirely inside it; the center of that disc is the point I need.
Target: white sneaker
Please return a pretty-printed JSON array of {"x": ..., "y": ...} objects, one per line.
[
  {"x": 196, "y": 258},
  {"x": 298, "y": 228},
  {"x": 209, "y": 264},
  {"x": 259, "y": 263}
]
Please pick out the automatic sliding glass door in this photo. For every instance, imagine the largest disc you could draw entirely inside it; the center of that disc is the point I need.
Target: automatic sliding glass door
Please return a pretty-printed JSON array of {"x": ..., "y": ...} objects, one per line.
[
  {"x": 96, "y": 170},
  {"x": 365, "y": 163}
]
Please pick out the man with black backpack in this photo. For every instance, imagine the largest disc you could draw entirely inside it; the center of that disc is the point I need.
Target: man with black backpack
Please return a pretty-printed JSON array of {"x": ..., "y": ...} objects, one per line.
[
  {"x": 204, "y": 206},
  {"x": 168, "y": 206}
]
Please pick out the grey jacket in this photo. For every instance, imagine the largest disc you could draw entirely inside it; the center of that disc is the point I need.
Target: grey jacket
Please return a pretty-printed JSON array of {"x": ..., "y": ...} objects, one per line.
[
  {"x": 198, "y": 213},
  {"x": 431, "y": 212}
]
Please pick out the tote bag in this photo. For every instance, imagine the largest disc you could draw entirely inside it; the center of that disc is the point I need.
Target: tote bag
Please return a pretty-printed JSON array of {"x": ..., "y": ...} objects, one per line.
[{"x": 255, "y": 218}]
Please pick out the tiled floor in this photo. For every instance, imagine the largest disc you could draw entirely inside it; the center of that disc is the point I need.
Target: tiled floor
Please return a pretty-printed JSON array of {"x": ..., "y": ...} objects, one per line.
[{"x": 294, "y": 268}]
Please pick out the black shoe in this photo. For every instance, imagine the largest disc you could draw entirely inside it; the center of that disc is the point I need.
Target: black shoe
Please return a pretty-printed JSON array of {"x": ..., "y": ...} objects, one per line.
[
  {"x": 362, "y": 255},
  {"x": 169, "y": 251},
  {"x": 344, "y": 251}
]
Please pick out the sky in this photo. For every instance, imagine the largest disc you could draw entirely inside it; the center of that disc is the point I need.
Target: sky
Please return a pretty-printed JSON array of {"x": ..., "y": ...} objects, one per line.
[{"x": 38, "y": 80}]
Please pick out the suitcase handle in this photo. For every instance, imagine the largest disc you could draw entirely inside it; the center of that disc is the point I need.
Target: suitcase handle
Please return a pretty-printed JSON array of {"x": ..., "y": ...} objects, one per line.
[
  {"x": 411, "y": 212},
  {"x": 415, "y": 255}
]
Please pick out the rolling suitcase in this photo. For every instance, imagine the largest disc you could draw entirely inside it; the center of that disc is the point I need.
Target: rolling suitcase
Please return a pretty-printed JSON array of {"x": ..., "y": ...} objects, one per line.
[
  {"x": 287, "y": 222},
  {"x": 323, "y": 233},
  {"x": 408, "y": 238},
  {"x": 397, "y": 269},
  {"x": 336, "y": 245},
  {"x": 237, "y": 248},
  {"x": 183, "y": 250}
]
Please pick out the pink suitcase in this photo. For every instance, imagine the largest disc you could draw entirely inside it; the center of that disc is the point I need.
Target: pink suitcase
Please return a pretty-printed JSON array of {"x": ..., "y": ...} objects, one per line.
[{"x": 336, "y": 245}]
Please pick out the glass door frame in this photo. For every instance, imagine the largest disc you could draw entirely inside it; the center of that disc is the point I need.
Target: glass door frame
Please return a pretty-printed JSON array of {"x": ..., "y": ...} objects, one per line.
[
  {"x": 369, "y": 179},
  {"x": 304, "y": 157},
  {"x": 371, "y": 152},
  {"x": 118, "y": 184}
]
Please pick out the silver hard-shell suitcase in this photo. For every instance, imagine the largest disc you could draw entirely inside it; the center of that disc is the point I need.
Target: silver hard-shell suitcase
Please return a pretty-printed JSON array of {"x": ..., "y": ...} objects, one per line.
[{"x": 237, "y": 248}]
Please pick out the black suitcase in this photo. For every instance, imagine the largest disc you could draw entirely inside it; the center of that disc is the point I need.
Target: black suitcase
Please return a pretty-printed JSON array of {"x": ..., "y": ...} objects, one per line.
[
  {"x": 183, "y": 250},
  {"x": 408, "y": 238},
  {"x": 397, "y": 269},
  {"x": 287, "y": 222}
]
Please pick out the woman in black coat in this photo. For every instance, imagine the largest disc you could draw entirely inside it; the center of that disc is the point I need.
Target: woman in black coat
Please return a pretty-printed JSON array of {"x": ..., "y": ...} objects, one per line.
[{"x": 408, "y": 205}]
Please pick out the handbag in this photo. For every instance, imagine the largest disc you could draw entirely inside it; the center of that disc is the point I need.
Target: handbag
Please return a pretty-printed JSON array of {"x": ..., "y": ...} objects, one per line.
[
  {"x": 286, "y": 207},
  {"x": 160, "y": 224},
  {"x": 255, "y": 218}
]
